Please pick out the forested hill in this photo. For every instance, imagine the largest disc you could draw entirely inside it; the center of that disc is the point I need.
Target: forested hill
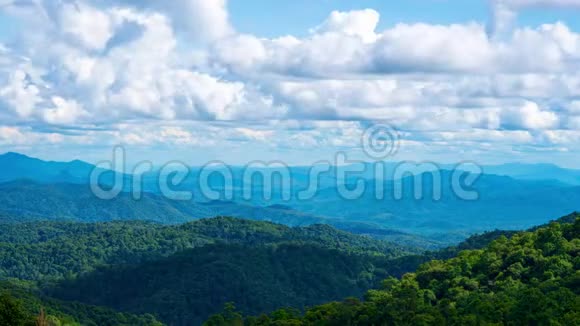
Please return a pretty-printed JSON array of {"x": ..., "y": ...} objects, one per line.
[
  {"x": 21, "y": 304},
  {"x": 31, "y": 201},
  {"x": 532, "y": 278},
  {"x": 186, "y": 288},
  {"x": 124, "y": 273},
  {"x": 40, "y": 250},
  {"x": 184, "y": 273}
]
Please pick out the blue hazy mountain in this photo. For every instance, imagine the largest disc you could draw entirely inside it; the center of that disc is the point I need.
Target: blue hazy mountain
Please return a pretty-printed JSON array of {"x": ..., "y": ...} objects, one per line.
[
  {"x": 14, "y": 166},
  {"x": 25, "y": 200},
  {"x": 536, "y": 172},
  {"x": 502, "y": 202},
  {"x": 536, "y": 193}
]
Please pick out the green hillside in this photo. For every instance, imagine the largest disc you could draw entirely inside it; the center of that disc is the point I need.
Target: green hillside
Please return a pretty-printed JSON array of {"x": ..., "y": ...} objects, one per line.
[
  {"x": 189, "y": 271},
  {"x": 533, "y": 278},
  {"x": 186, "y": 288},
  {"x": 54, "y": 250},
  {"x": 124, "y": 273},
  {"x": 21, "y": 304}
]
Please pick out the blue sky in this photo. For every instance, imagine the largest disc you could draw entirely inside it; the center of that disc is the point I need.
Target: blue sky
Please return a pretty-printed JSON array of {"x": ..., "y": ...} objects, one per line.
[
  {"x": 490, "y": 81},
  {"x": 277, "y": 18}
]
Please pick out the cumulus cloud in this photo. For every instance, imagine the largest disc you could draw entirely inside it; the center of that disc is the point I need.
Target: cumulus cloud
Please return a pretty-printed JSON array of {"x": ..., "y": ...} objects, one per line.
[
  {"x": 505, "y": 11},
  {"x": 133, "y": 77},
  {"x": 530, "y": 116},
  {"x": 90, "y": 27},
  {"x": 19, "y": 95},
  {"x": 343, "y": 45},
  {"x": 120, "y": 65},
  {"x": 360, "y": 23},
  {"x": 63, "y": 111}
]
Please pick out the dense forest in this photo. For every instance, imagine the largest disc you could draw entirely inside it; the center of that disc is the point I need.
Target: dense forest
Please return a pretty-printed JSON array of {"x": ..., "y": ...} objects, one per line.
[
  {"x": 144, "y": 273},
  {"x": 532, "y": 278},
  {"x": 44, "y": 250},
  {"x": 188, "y": 271},
  {"x": 21, "y": 304},
  {"x": 187, "y": 287}
]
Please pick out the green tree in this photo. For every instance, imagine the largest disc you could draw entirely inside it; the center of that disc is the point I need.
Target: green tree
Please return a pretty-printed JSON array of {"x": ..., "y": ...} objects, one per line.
[{"x": 12, "y": 312}]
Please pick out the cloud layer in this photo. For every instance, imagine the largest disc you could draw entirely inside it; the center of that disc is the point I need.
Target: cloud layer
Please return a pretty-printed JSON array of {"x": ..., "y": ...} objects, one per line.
[{"x": 85, "y": 70}]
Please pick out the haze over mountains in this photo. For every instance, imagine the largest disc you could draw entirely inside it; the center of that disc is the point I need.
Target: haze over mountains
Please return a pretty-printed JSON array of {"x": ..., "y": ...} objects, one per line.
[
  {"x": 14, "y": 166},
  {"x": 536, "y": 172},
  {"x": 524, "y": 196}
]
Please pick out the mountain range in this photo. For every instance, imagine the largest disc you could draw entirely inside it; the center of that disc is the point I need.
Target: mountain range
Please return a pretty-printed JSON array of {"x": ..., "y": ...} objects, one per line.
[
  {"x": 508, "y": 202},
  {"x": 70, "y": 258}
]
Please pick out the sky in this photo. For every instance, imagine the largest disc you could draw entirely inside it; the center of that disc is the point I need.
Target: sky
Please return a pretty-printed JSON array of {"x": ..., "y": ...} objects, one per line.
[{"x": 489, "y": 81}]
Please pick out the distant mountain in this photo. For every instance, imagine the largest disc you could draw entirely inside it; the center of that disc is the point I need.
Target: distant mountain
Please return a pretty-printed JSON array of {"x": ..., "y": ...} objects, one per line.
[
  {"x": 505, "y": 202},
  {"x": 65, "y": 201},
  {"x": 502, "y": 202},
  {"x": 30, "y": 201},
  {"x": 536, "y": 172},
  {"x": 14, "y": 166}
]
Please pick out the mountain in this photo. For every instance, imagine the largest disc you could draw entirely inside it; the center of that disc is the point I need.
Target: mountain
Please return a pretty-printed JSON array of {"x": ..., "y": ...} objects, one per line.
[
  {"x": 65, "y": 201},
  {"x": 14, "y": 166},
  {"x": 502, "y": 202},
  {"x": 41, "y": 250},
  {"x": 27, "y": 200},
  {"x": 529, "y": 279},
  {"x": 536, "y": 172}
]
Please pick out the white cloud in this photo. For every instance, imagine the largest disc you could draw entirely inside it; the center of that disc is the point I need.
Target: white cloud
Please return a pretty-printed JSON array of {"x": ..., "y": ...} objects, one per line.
[
  {"x": 19, "y": 94},
  {"x": 199, "y": 20},
  {"x": 360, "y": 23},
  {"x": 203, "y": 20},
  {"x": 91, "y": 27},
  {"x": 11, "y": 135},
  {"x": 433, "y": 48},
  {"x": 19, "y": 136},
  {"x": 530, "y": 116},
  {"x": 241, "y": 53},
  {"x": 167, "y": 64},
  {"x": 63, "y": 111},
  {"x": 138, "y": 76},
  {"x": 336, "y": 50},
  {"x": 505, "y": 11}
]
